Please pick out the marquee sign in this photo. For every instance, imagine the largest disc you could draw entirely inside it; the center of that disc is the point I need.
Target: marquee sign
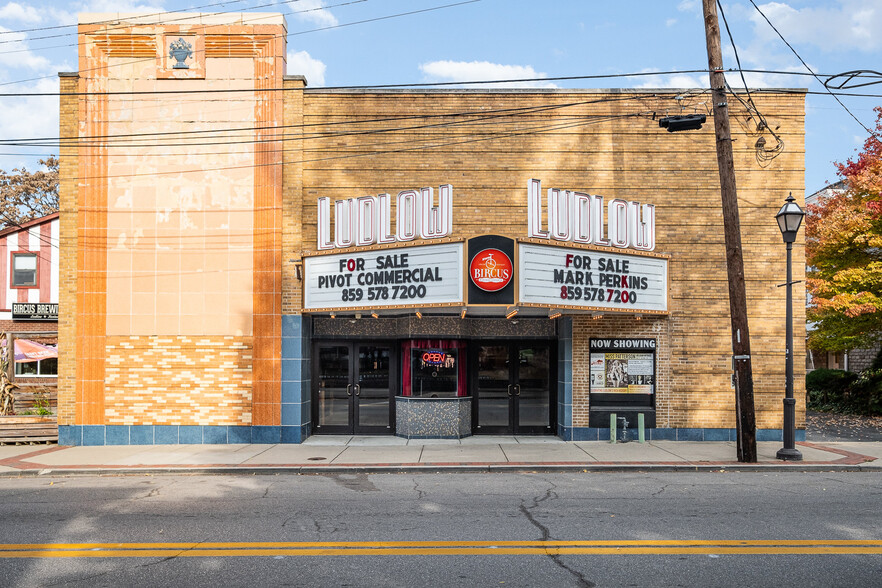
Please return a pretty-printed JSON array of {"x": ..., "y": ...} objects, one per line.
[
  {"x": 403, "y": 277},
  {"x": 359, "y": 222},
  {"x": 567, "y": 277},
  {"x": 578, "y": 217}
]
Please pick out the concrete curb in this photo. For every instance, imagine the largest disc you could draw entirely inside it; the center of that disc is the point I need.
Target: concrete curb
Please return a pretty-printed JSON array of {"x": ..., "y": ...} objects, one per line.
[{"x": 436, "y": 469}]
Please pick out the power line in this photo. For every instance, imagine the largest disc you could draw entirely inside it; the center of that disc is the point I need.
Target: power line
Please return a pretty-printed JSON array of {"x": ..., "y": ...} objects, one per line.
[
  {"x": 394, "y": 86},
  {"x": 814, "y": 75},
  {"x": 114, "y": 20},
  {"x": 337, "y": 26},
  {"x": 519, "y": 111},
  {"x": 139, "y": 17},
  {"x": 273, "y": 36},
  {"x": 519, "y": 132},
  {"x": 427, "y": 84},
  {"x": 763, "y": 155}
]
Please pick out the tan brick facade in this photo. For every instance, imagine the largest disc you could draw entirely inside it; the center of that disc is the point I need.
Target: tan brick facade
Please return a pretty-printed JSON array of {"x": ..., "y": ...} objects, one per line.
[
  {"x": 489, "y": 144},
  {"x": 68, "y": 251},
  {"x": 137, "y": 353}
]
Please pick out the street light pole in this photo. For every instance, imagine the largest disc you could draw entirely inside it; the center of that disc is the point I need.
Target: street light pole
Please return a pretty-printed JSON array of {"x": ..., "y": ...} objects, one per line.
[{"x": 789, "y": 218}]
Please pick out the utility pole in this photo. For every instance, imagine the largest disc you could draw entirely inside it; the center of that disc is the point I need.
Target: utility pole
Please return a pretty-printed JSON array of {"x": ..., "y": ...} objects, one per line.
[{"x": 745, "y": 416}]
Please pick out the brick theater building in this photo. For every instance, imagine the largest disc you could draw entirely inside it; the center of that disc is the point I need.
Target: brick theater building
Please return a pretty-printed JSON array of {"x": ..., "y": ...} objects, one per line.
[{"x": 246, "y": 259}]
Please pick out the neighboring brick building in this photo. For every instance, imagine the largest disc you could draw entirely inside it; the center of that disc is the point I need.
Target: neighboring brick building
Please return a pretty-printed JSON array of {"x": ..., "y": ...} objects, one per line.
[
  {"x": 237, "y": 268},
  {"x": 29, "y": 289}
]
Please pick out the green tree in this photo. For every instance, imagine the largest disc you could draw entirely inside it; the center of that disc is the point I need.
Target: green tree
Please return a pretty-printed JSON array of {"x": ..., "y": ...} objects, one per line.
[
  {"x": 844, "y": 255},
  {"x": 26, "y": 195}
]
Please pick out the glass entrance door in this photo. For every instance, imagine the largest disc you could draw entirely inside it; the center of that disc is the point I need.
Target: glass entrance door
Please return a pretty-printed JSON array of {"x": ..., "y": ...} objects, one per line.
[
  {"x": 353, "y": 389},
  {"x": 512, "y": 389}
]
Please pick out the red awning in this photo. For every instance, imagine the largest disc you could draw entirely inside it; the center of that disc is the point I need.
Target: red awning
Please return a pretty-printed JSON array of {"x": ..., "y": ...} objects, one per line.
[{"x": 26, "y": 350}]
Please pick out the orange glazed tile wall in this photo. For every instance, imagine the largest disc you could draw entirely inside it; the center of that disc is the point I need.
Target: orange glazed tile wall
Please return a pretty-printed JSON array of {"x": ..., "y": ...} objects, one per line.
[
  {"x": 178, "y": 381},
  {"x": 173, "y": 244},
  {"x": 489, "y": 144},
  {"x": 269, "y": 70}
]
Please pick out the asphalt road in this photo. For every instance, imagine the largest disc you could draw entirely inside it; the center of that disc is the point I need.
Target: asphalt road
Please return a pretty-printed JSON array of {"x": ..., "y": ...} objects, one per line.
[{"x": 672, "y": 529}]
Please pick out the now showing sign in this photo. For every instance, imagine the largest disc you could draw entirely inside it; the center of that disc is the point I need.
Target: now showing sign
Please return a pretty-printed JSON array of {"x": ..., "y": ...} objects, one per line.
[
  {"x": 566, "y": 277},
  {"x": 400, "y": 277}
]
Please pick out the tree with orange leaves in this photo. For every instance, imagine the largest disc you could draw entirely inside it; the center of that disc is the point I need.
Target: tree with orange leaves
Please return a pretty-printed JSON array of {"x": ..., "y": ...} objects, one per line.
[
  {"x": 26, "y": 195},
  {"x": 844, "y": 255}
]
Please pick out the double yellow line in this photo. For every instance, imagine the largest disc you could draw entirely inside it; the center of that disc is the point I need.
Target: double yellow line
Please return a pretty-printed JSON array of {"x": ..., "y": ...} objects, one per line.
[{"x": 314, "y": 549}]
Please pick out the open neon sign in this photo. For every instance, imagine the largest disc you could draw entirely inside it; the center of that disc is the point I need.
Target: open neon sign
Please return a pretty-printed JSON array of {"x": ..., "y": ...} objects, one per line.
[{"x": 434, "y": 357}]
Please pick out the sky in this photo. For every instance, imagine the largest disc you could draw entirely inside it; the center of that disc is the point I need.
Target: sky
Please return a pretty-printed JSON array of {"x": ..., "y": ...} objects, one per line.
[{"x": 368, "y": 42}]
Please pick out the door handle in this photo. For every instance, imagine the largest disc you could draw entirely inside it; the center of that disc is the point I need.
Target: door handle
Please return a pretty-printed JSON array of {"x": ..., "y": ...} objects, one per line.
[
  {"x": 517, "y": 389},
  {"x": 348, "y": 389},
  {"x": 509, "y": 389},
  {"x": 358, "y": 389}
]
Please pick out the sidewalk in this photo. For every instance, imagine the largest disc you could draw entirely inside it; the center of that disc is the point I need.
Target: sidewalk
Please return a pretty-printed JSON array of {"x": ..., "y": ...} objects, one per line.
[{"x": 393, "y": 454}]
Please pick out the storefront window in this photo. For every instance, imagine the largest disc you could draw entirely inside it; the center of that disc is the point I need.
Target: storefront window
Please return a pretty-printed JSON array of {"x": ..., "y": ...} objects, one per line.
[
  {"x": 42, "y": 368},
  {"x": 434, "y": 372},
  {"x": 24, "y": 269},
  {"x": 434, "y": 369}
]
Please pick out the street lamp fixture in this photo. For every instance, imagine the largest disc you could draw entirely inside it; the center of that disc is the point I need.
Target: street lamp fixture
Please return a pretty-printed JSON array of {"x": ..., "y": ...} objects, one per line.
[{"x": 789, "y": 218}]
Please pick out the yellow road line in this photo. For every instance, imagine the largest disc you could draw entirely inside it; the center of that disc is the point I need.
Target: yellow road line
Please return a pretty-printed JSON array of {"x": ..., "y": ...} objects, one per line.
[
  {"x": 486, "y": 544},
  {"x": 766, "y": 547}
]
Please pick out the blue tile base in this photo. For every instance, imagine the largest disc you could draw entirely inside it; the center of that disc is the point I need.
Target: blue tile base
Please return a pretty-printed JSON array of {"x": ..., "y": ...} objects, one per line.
[
  {"x": 173, "y": 434},
  {"x": 185, "y": 434},
  {"x": 595, "y": 434}
]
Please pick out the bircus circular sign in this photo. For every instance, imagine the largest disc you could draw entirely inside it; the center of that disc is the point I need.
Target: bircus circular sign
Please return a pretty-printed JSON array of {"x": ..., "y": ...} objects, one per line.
[{"x": 491, "y": 270}]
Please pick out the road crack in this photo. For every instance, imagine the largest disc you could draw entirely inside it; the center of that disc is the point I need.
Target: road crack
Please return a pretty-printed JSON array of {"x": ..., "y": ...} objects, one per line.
[
  {"x": 550, "y": 494},
  {"x": 416, "y": 487},
  {"x": 171, "y": 557}
]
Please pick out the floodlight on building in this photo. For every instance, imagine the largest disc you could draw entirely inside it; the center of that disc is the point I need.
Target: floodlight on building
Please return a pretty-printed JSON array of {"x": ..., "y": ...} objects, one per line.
[
  {"x": 682, "y": 122},
  {"x": 419, "y": 315},
  {"x": 512, "y": 312},
  {"x": 553, "y": 314}
]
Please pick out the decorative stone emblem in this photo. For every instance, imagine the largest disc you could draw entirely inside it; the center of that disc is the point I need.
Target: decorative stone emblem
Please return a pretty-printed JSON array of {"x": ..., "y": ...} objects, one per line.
[{"x": 181, "y": 50}]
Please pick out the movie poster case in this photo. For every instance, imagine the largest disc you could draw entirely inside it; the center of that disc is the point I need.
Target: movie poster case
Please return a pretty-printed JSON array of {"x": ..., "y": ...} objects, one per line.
[{"x": 622, "y": 366}]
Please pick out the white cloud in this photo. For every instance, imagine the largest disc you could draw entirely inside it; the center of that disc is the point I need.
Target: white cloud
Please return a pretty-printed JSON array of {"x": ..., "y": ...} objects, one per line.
[
  {"x": 301, "y": 63},
  {"x": 29, "y": 117},
  {"x": 66, "y": 14},
  {"x": 671, "y": 81},
  {"x": 313, "y": 11},
  {"x": 689, "y": 6},
  {"x": 118, "y": 6},
  {"x": 472, "y": 71},
  {"x": 848, "y": 25},
  {"x": 16, "y": 54},
  {"x": 17, "y": 12},
  {"x": 670, "y": 22}
]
